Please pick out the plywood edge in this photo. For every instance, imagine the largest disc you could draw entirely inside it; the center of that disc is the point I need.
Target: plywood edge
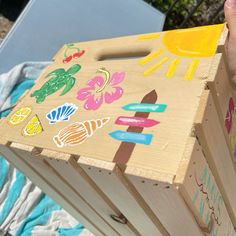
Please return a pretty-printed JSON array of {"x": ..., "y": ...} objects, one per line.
[
  {"x": 40, "y": 152},
  {"x": 109, "y": 166},
  {"x": 202, "y": 107},
  {"x": 46, "y": 153},
  {"x": 23, "y": 147},
  {"x": 223, "y": 39},
  {"x": 33, "y": 151},
  {"x": 215, "y": 66},
  {"x": 3, "y": 141},
  {"x": 149, "y": 174},
  {"x": 184, "y": 163}
]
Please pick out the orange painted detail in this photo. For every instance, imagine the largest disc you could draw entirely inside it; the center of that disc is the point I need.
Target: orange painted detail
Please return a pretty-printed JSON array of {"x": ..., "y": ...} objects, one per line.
[{"x": 78, "y": 132}]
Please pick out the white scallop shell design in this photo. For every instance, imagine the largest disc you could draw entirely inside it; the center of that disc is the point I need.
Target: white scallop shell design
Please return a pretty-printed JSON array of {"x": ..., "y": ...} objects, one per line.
[{"x": 61, "y": 113}]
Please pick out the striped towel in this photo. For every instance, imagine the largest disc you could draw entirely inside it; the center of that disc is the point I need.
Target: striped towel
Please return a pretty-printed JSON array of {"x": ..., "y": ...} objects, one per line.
[{"x": 24, "y": 209}]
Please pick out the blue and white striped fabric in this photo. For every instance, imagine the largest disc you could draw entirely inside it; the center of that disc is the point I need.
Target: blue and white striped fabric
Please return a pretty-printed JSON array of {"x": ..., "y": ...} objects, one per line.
[{"x": 24, "y": 209}]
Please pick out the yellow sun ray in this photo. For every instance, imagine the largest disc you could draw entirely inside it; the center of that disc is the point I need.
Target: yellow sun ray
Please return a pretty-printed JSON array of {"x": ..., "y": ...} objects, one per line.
[
  {"x": 171, "y": 70},
  {"x": 149, "y": 36},
  {"x": 191, "y": 70},
  {"x": 192, "y": 44},
  {"x": 154, "y": 67},
  {"x": 150, "y": 57}
]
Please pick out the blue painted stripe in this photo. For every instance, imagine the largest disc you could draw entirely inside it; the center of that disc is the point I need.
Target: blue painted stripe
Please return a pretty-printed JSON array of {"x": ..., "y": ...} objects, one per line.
[
  {"x": 4, "y": 168},
  {"x": 12, "y": 196},
  {"x": 71, "y": 231},
  {"x": 132, "y": 137},
  {"x": 144, "y": 107},
  {"x": 39, "y": 216}
]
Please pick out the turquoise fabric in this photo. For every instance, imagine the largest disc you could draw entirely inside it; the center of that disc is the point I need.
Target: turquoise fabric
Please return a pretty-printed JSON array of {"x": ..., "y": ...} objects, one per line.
[
  {"x": 39, "y": 216},
  {"x": 12, "y": 195},
  {"x": 4, "y": 167},
  {"x": 71, "y": 231}
]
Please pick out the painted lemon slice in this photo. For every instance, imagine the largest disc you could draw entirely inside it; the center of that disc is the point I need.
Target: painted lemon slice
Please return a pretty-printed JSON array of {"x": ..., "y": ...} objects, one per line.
[
  {"x": 20, "y": 115},
  {"x": 33, "y": 127}
]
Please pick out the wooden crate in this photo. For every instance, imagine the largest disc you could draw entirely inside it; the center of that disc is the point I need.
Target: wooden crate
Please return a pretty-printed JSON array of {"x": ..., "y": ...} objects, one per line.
[
  {"x": 127, "y": 134},
  {"x": 225, "y": 99}
]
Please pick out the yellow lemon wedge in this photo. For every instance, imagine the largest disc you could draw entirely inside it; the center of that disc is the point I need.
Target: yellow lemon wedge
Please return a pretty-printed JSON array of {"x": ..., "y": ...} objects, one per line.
[
  {"x": 33, "y": 127},
  {"x": 20, "y": 115}
]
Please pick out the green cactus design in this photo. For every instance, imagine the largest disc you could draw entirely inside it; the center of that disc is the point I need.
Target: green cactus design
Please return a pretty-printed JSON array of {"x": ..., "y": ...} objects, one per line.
[{"x": 59, "y": 78}]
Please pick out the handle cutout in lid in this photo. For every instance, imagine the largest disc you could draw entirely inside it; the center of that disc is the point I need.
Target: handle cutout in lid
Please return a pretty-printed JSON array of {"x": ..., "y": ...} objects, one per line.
[{"x": 125, "y": 53}]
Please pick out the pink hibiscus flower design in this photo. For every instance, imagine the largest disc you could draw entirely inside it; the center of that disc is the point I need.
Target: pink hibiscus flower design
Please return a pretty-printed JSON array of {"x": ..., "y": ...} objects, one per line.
[{"x": 101, "y": 89}]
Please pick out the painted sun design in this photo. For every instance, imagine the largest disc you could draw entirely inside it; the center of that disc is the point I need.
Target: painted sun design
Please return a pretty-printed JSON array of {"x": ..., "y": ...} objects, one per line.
[{"x": 195, "y": 43}]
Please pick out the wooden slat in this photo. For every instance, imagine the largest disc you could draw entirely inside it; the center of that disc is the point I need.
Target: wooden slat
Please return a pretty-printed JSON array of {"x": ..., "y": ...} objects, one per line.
[
  {"x": 63, "y": 188},
  {"x": 34, "y": 174},
  {"x": 165, "y": 201},
  {"x": 199, "y": 189},
  {"x": 212, "y": 140},
  {"x": 110, "y": 180},
  {"x": 223, "y": 91},
  {"x": 223, "y": 40},
  {"x": 79, "y": 180}
]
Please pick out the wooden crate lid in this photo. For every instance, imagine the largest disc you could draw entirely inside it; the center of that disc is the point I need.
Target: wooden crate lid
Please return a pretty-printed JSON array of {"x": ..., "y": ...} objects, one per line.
[{"x": 89, "y": 100}]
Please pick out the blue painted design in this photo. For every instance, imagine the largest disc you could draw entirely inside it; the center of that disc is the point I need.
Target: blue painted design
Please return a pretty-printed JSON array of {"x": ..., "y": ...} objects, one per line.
[
  {"x": 132, "y": 137},
  {"x": 71, "y": 231},
  {"x": 61, "y": 113},
  {"x": 195, "y": 196},
  {"x": 4, "y": 167},
  {"x": 207, "y": 218},
  {"x": 201, "y": 207},
  {"x": 39, "y": 216},
  {"x": 12, "y": 195},
  {"x": 145, "y": 107}
]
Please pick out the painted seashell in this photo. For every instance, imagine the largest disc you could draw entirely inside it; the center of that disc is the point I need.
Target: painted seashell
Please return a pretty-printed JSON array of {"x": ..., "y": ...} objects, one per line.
[
  {"x": 78, "y": 132},
  {"x": 61, "y": 113}
]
